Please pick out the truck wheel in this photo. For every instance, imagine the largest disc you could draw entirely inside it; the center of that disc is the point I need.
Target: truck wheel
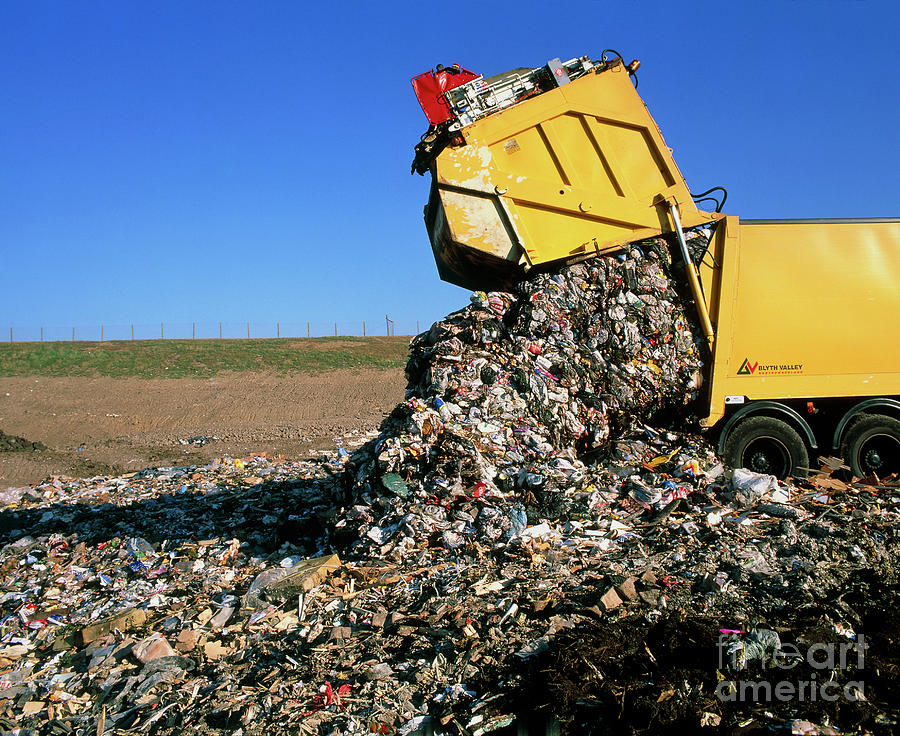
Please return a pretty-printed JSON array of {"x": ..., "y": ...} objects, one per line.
[
  {"x": 767, "y": 445},
  {"x": 872, "y": 446}
]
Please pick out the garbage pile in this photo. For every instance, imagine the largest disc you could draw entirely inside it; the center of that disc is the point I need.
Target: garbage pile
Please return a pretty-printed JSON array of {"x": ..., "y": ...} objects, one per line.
[
  {"x": 210, "y": 598},
  {"x": 508, "y": 397},
  {"x": 531, "y": 540}
]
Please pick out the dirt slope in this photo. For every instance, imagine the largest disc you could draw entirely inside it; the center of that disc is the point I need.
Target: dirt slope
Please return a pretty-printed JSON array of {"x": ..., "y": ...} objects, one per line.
[{"x": 96, "y": 426}]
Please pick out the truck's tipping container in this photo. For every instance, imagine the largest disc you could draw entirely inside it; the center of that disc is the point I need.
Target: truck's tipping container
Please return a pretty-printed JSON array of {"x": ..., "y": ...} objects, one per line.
[{"x": 576, "y": 170}]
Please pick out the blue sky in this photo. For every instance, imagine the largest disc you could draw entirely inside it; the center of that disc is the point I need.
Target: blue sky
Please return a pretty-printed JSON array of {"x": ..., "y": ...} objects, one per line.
[{"x": 237, "y": 161}]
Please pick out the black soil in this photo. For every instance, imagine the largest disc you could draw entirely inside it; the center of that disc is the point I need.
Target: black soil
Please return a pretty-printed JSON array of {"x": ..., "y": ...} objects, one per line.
[{"x": 9, "y": 443}]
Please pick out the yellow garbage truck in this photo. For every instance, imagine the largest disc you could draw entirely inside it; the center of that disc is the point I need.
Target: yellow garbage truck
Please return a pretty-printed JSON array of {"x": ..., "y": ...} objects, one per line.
[{"x": 535, "y": 168}]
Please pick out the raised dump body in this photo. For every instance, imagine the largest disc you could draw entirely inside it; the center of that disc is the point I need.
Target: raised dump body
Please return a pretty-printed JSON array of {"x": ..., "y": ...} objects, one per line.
[
  {"x": 580, "y": 168},
  {"x": 535, "y": 168}
]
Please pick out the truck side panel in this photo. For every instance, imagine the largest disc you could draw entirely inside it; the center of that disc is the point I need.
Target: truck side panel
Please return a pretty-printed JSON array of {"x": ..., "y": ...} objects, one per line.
[{"x": 806, "y": 309}]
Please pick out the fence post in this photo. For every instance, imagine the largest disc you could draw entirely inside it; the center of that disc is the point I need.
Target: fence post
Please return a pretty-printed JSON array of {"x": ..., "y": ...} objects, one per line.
[
  {"x": 193, "y": 330},
  {"x": 220, "y": 330},
  {"x": 10, "y": 334},
  {"x": 132, "y": 332},
  {"x": 307, "y": 329},
  {"x": 248, "y": 330},
  {"x": 42, "y": 334},
  {"x": 387, "y": 326},
  {"x": 162, "y": 333},
  {"x": 101, "y": 333},
  {"x": 364, "y": 328},
  {"x": 278, "y": 329},
  {"x": 335, "y": 329},
  {"x": 73, "y": 334}
]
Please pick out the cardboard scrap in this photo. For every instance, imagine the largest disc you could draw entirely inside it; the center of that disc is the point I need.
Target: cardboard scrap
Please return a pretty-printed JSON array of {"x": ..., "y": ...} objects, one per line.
[
  {"x": 303, "y": 577},
  {"x": 128, "y": 618},
  {"x": 610, "y": 600}
]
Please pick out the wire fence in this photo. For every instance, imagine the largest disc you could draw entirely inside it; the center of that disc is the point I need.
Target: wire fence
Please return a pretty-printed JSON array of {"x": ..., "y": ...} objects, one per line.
[{"x": 216, "y": 330}]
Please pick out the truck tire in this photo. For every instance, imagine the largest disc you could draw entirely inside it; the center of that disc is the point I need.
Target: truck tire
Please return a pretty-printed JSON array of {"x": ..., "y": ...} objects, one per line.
[
  {"x": 872, "y": 446},
  {"x": 767, "y": 445}
]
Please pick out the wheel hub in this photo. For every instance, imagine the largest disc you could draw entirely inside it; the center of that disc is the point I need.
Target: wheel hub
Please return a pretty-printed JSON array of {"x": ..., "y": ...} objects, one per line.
[
  {"x": 880, "y": 454},
  {"x": 767, "y": 455},
  {"x": 872, "y": 460},
  {"x": 760, "y": 463}
]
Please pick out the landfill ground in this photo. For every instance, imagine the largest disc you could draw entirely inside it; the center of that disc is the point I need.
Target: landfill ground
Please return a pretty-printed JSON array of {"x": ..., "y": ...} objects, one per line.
[
  {"x": 129, "y": 609},
  {"x": 534, "y": 540},
  {"x": 89, "y": 426}
]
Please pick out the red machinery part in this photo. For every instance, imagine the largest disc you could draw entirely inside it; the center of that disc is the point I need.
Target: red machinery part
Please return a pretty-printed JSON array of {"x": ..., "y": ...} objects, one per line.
[{"x": 430, "y": 87}]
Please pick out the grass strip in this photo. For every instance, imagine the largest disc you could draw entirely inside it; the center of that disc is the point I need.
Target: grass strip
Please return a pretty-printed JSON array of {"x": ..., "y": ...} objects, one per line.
[{"x": 201, "y": 358}]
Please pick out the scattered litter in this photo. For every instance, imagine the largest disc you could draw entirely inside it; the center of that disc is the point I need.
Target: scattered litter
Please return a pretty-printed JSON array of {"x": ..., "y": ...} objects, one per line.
[{"x": 198, "y": 440}]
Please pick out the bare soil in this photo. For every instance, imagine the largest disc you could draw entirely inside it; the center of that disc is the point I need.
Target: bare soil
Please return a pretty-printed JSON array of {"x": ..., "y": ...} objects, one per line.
[{"x": 99, "y": 426}]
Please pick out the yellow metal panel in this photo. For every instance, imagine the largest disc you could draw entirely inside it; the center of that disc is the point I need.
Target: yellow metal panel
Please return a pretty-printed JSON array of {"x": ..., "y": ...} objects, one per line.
[
  {"x": 581, "y": 234},
  {"x": 582, "y": 159},
  {"x": 721, "y": 303},
  {"x": 709, "y": 270},
  {"x": 618, "y": 176},
  {"x": 526, "y": 153},
  {"x": 581, "y": 168},
  {"x": 611, "y": 96},
  {"x": 815, "y": 312},
  {"x": 561, "y": 202},
  {"x": 634, "y": 150},
  {"x": 477, "y": 220}
]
